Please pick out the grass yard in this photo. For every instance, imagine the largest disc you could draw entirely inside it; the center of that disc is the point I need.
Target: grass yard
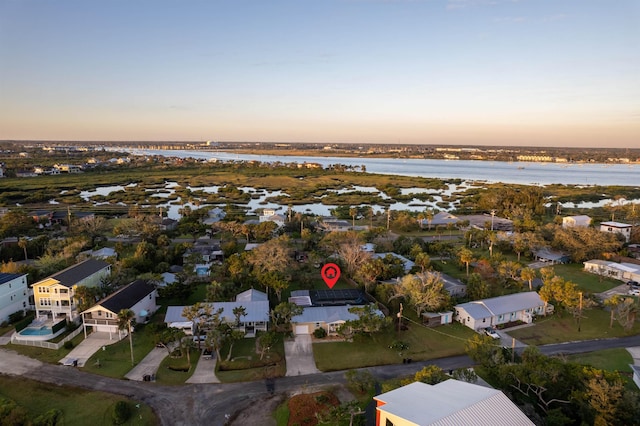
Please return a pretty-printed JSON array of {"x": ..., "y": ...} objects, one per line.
[
  {"x": 424, "y": 343},
  {"x": 586, "y": 281},
  {"x": 168, "y": 373},
  {"x": 244, "y": 359},
  {"x": 50, "y": 356},
  {"x": 115, "y": 360},
  {"x": 556, "y": 329},
  {"x": 79, "y": 406},
  {"x": 617, "y": 359}
]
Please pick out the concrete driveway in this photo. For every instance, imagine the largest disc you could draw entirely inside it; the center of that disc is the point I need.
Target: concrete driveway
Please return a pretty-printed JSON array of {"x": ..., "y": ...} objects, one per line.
[
  {"x": 89, "y": 346},
  {"x": 299, "y": 356},
  {"x": 148, "y": 366}
]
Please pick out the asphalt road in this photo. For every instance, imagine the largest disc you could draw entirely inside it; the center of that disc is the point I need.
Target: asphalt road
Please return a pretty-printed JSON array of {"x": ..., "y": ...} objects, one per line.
[{"x": 215, "y": 404}]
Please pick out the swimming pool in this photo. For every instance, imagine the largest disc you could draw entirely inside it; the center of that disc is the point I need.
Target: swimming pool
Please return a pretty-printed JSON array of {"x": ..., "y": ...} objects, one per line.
[{"x": 37, "y": 331}]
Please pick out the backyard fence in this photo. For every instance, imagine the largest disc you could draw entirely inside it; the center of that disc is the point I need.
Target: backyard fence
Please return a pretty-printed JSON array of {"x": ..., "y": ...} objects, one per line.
[{"x": 44, "y": 344}]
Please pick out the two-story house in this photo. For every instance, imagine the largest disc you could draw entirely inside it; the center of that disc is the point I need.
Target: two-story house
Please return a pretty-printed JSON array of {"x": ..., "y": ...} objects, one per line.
[
  {"x": 623, "y": 229},
  {"x": 14, "y": 294},
  {"x": 54, "y": 296},
  {"x": 139, "y": 297}
]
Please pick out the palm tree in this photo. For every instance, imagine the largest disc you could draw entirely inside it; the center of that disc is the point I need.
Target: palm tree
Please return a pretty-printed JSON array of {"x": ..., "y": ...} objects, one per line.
[
  {"x": 125, "y": 317},
  {"x": 353, "y": 212},
  {"x": 466, "y": 257},
  {"x": 22, "y": 243},
  {"x": 528, "y": 274},
  {"x": 613, "y": 303}
]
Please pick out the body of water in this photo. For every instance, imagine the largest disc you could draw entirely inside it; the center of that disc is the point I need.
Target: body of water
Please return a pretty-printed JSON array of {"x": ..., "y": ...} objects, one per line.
[{"x": 491, "y": 171}]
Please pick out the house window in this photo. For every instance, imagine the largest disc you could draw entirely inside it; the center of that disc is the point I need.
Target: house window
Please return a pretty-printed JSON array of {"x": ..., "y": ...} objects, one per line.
[
  {"x": 45, "y": 302},
  {"x": 99, "y": 313},
  {"x": 484, "y": 320}
]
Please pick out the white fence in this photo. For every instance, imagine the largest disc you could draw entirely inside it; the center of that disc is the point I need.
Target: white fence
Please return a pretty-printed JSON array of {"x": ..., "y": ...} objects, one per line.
[{"x": 44, "y": 344}]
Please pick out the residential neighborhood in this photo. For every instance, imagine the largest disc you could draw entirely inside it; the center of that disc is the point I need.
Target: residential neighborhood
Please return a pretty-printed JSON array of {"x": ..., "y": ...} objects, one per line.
[{"x": 221, "y": 295}]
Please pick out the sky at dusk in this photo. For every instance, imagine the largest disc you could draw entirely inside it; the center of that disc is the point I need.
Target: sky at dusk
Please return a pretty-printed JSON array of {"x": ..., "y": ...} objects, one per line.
[{"x": 486, "y": 72}]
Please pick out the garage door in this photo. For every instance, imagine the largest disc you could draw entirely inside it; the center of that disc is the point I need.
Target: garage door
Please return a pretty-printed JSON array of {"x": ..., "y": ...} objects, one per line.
[{"x": 302, "y": 329}]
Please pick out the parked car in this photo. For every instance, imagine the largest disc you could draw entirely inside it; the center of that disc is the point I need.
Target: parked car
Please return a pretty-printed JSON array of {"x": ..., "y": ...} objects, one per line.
[
  {"x": 634, "y": 292},
  {"x": 491, "y": 332},
  {"x": 633, "y": 284}
]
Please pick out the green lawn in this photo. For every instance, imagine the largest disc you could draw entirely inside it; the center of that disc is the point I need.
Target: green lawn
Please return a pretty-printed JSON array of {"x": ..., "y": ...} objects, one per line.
[
  {"x": 43, "y": 354},
  {"x": 79, "y": 406},
  {"x": 586, "y": 281},
  {"x": 115, "y": 360},
  {"x": 424, "y": 343},
  {"x": 244, "y": 353},
  {"x": 618, "y": 359},
  {"x": 557, "y": 329},
  {"x": 167, "y": 376}
]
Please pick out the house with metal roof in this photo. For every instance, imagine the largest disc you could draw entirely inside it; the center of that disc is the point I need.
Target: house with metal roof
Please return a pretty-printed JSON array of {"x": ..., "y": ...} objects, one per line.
[
  {"x": 621, "y": 271},
  {"x": 551, "y": 256},
  {"x": 484, "y": 313},
  {"x": 576, "y": 221},
  {"x": 54, "y": 296},
  {"x": 328, "y": 317},
  {"x": 623, "y": 229},
  {"x": 255, "y": 303},
  {"x": 139, "y": 297},
  {"x": 451, "y": 402}
]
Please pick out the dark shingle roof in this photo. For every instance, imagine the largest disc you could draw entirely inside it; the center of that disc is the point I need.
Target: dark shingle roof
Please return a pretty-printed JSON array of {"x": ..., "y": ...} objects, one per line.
[
  {"x": 73, "y": 274},
  {"x": 5, "y": 278},
  {"x": 127, "y": 296}
]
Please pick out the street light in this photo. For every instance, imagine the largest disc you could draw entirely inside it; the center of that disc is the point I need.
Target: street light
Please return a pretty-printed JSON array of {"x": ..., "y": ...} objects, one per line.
[{"x": 493, "y": 214}]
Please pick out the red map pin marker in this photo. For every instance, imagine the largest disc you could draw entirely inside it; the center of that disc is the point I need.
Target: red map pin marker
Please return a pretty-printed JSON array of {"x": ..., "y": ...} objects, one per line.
[{"x": 330, "y": 274}]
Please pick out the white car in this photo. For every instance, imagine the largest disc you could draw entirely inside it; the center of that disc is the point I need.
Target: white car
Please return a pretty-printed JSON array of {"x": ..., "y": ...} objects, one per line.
[
  {"x": 634, "y": 292},
  {"x": 491, "y": 333}
]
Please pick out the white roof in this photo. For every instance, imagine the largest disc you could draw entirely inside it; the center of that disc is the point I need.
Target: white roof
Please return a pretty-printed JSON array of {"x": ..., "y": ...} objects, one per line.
[
  {"x": 502, "y": 304},
  {"x": 616, "y": 224},
  {"x": 451, "y": 402}
]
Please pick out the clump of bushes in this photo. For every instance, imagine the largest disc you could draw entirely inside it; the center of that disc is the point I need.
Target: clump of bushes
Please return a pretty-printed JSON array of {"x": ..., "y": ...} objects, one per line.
[
  {"x": 121, "y": 412},
  {"x": 319, "y": 333}
]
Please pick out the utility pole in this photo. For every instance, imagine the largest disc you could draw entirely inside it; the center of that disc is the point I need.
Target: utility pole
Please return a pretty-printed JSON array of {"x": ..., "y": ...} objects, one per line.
[
  {"x": 400, "y": 318},
  {"x": 388, "y": 217},
  {"x": 493, "y": 214},
  {"x": 580, "y": 312}
]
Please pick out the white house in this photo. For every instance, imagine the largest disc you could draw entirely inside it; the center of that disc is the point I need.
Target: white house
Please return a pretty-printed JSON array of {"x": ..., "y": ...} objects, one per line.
[
  {"x": 576, "y": 221},
  {"x": 255, "y": 303},
  {"x": 328, "y": 317},
  {"x": 499, "y": 310},
  {"x": 14, "y": 294},
  {"x": 617, "y": 228},
  {"x": 139, "y": 297},
  {"x": 620, "y": 271},
  {"x": 451, "y": 402}
]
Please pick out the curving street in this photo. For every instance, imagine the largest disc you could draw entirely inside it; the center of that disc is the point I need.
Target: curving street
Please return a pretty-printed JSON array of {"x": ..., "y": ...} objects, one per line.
[{"x": 218, "y": 404}]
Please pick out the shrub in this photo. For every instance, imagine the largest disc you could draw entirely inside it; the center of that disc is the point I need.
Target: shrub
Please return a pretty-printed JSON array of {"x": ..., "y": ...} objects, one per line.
[
  {"x": 16, "y": 316},
  {"x": 121, "y": 412},
  {"x": 319, "y": 333},
  {"x": 68, "y": 344},
  {"x": 50, "y": 418}
]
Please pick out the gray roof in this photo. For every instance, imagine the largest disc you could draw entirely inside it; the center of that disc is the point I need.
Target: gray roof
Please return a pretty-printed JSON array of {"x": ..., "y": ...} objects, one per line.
[
  {"x": 128, "y": 296},
  {"x": 5, "y": 278},
  {"x": 502, "y": 305},
  {"x": 251, "y": 295},
  {"x": 76, "y": 273},
  {"x": 256, "y": 311},
  {"x": 327, "y": 314}
]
